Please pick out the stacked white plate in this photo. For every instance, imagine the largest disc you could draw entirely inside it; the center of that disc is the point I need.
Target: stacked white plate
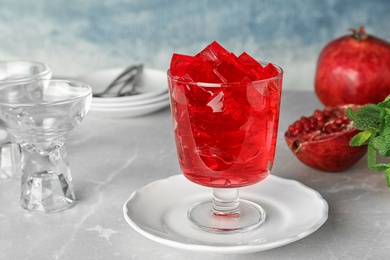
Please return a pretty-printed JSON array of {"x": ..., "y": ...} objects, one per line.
[{"x": 153, "y": 96}]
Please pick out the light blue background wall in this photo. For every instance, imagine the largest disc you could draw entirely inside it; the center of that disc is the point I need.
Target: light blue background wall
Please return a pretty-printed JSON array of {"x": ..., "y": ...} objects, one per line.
[{"x": 77, "y": 36}]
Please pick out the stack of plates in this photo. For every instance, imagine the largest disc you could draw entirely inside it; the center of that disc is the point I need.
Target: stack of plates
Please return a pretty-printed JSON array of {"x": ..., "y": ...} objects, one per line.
[{"x": 152, "y": 87}]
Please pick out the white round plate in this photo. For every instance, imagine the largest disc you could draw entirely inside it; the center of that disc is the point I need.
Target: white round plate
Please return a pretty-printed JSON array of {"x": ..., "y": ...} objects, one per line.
[
  {"x": 152, "y": 83},
  {"x": 147, "y": 101},
  {"x": 129, "y": 111},
  {"x": 159, "y": 212}
]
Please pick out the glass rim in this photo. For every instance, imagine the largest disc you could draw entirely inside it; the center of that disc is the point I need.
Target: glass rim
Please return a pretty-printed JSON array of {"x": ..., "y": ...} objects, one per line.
[
  {"x": 208, "y": 84},
  {"x": 46, "y": 71},
  {"x": 82, "y": 95}
]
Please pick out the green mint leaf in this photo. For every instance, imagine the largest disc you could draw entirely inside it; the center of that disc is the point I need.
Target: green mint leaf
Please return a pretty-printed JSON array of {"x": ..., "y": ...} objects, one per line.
[
  {"x": 385, "y": 103},
  {"x": 374, "y": 120},
  {"x": 382, "y": 119},
  {"x": 382, "y": 143},
  {"x": 385, "y": 123},
  {"x": 380, "y": 167},
  {"x": 361, "y": 138},
  {"x": 371, "y": 158},
  {"x": 368, "y": 117},
  {"x": 387, "y": 173},
  {"x": 371, "y": 155},
  {"x": 351, "y": 114}
]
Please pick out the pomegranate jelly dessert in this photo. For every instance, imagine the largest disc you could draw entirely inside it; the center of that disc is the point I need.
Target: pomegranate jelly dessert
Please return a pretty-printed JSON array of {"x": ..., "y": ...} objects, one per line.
[{"x": 225, "y": 112}]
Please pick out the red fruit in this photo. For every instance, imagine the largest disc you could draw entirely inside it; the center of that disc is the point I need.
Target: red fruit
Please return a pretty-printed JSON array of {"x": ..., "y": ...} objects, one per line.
[
  {"x": 321, "y": 140},
  {"x": 353, "y": 69}
]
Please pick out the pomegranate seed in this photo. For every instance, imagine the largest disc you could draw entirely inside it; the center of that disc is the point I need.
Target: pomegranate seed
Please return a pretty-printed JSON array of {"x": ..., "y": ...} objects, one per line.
[
  {"x": 317, "y": 113},
  {"x": 339, "y": 121},
  {"x": 299, "y": 126},
  {"x": 320, "y": 117},
  {"x": 327, "y": 121},
  {"x": 306, "y": 126},
  {"x": 328, "y": 129},
  {"x": 291, "y": 129},
  {"x": 327, "y": 113}
]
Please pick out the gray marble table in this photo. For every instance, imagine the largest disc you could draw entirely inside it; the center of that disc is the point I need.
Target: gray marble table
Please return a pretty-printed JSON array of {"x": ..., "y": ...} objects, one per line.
[{"x": 111, "y": 158}]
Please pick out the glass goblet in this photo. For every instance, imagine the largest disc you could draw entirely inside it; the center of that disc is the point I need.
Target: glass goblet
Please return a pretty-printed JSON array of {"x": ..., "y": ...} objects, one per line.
[
  {"x": 39, "y": 115},
  {"x": 226, "y": 139},
  {"x": 13, "y": 71}
]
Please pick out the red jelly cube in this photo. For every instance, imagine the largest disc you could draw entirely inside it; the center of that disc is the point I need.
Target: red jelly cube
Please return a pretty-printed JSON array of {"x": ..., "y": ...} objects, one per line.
[
  {"x": 269, "y": 71},
  {"x": 254, "y": 66},
  {"x": 248, "y": 61},
  {"x": 214, "y": 64},
  {"x": 202, "y": 72},
  {"x": 232, "y": 70},
  {"x": 213, "y": 52},
  {"x": 180, "y": 64},
  {"x": 192, "y": 69}
]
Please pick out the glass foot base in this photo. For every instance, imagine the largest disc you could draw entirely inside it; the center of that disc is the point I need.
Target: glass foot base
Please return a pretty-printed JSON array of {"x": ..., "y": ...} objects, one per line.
[
  {"x": 250, "y": 216},
  {"x": 47, "y": 192}
]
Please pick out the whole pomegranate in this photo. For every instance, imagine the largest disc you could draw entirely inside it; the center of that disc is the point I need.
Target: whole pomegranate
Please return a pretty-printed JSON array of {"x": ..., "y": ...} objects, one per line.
[
  {"x": 321, "y": 140},
  {"x": 353, "y": 69}
]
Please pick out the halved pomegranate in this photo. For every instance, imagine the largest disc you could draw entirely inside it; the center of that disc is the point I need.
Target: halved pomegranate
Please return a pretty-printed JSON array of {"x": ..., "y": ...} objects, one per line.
[{"x": 321, "y": 140}]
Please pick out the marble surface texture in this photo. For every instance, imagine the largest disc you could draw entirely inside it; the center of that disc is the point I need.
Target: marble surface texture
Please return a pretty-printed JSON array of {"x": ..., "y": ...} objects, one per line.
[
  {"x": 111, "y": 158},
  {"x": 79, "y": 36}
]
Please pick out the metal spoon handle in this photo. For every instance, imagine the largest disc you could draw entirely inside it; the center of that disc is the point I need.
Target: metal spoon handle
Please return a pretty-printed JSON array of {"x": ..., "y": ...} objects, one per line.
[
  {"x": 131, "y": 82},
  {"x": 126, "y": 77}
]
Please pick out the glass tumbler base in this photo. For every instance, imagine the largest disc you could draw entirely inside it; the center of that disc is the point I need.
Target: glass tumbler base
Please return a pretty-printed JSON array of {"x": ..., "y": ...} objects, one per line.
[
  {"x": 47, "y": 192},
  {"x": 250, "y": 216}
]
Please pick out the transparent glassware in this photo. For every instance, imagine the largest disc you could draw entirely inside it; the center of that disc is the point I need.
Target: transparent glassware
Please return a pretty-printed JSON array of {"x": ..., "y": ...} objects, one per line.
[
  {"x": 39, "y": 115},
  {"x": 225, "y": 138},
  {"x": 13, "y": 72}
]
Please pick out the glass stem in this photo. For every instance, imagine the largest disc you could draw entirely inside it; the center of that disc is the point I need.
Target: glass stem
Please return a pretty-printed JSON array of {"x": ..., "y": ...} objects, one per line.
[
  {"x": 46, "y": 180},
  {"x": 226, "y": 202}
]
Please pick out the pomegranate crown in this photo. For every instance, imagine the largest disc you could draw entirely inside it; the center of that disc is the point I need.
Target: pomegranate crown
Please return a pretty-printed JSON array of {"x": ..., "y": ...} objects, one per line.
[{"x": 359, "y": 35}]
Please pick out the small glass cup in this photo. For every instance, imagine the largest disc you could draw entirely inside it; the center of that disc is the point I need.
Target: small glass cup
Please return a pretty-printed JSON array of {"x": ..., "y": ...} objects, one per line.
[
  {"x": 13, "y": 72},
  {"x": 39, "y": 115},
  {"x": 225, "y": 137}
]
